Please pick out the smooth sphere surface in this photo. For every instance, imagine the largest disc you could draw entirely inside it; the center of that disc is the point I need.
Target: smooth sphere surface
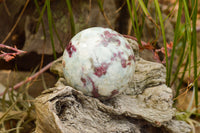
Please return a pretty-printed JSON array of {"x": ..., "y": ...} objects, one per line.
[{"x": 99, "y": 62}]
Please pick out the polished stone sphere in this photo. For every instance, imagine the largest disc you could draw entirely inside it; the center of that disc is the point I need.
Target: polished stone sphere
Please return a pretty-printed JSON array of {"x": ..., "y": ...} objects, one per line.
[{"x": 99, "y": 62}]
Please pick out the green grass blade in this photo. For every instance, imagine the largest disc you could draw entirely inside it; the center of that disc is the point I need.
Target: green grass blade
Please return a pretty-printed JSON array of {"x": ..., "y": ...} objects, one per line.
[
  {"x": 182, "y": 77},
  {"x": 164, "y": 39},
  {"x": 188, "y": 30},
  {"x": 143, "y": 16},
  {"x": 100, "y": 4},
  {"x": 176, "y": 35},
  {"x": 194, "y": 43},
  {"x": 180, "y": 60},
  {"x": 54, "y": 27},
  {"x": 44, "y": 82},
  {"x": 12, "y": 99},
  {"x": 50, "y": 27},
  {"x": 136, "y": 22},
  {"x": 136, "y": 31},
  {"x": 4, "y": 99},
  {"x": 143, "y": 6},
  {"x": 7, "y": 111},
  {"x": 73, "y": 30},
  {"x": 20, "y": 122},
  {"x": 172, "y": 10},
  {"x": 130, "y": 13},
  {"x": 157, "y": 29},
  {"x": 40, "y": 17}
]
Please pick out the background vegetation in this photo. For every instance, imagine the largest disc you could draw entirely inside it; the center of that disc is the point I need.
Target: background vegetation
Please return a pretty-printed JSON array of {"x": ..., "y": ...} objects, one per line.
[{"x": 180, "y": 55}]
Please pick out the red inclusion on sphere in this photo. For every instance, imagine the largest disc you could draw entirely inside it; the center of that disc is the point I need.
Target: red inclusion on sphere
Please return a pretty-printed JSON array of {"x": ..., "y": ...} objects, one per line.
[
  {"x": 129, "y": 63},
  {"x": 134, "y": 57},
  {"x": 63, "y": 63},
  {"x": 94, "y": 88},
  {"x": 131, "y": 57},
  {"x": 101, "y": 70},
  {"x": 108, "y": 34},
  {"x": 109, "y": 37},
  {"x": 120, "y": 54},
  {"x": 115, "y": 40},
  {"x": 123, "y": 63},
  {"x": 114, "y": 92},
  {"x": 113, "y": 57},
  {"x": 127, "y": 46},
  {"x": 83, "y": 80},
  {"x": 104, "y": 42},
  {"x": 70, "y": 49}
]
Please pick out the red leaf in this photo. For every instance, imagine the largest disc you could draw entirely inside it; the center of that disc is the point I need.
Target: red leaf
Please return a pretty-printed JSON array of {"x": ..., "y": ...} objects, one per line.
[
  {"x": 7, "y": 58},
  {"x": 156, "y": 57},
  {"x": 170, "y": 45},
  {"x": 146, "y": 46}
]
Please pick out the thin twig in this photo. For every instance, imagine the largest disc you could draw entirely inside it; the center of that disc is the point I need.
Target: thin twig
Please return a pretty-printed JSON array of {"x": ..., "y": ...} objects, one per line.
[
  {"x": 103, "y": 13},
  {"x": 130, "y": 24},
  {"x": 11, "y": 48},
  {"x": 18, "y": 19},
  {"x": 29, "y": 78},
  {"x": 89, "y": 11},
  {"x": 9, "y": 56},
  {"x": 107, "y": 20},
  {"x": 6, "y": 8},
  {"x": 120, "y": 8}
]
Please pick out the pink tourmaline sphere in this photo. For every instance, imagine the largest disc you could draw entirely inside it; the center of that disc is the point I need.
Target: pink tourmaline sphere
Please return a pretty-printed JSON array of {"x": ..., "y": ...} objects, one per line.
[{"x": 99, "y": 62}]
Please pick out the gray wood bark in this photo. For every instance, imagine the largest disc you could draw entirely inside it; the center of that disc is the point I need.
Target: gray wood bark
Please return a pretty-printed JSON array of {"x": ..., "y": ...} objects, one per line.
[{"x": 145, "y": 107}]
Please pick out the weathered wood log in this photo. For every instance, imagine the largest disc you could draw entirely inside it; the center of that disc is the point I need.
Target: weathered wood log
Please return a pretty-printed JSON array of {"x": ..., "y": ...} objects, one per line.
[{"x": 146, "y": 106}]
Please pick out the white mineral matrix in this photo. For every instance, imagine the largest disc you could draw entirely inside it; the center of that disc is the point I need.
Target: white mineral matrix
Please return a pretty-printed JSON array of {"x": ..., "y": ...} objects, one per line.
[{"x": 99, "y": 62}]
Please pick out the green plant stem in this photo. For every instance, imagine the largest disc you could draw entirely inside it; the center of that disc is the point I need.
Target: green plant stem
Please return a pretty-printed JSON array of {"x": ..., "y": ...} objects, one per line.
[
  {"x": 7, "y": 111},
  {"x": 181, "y": 59},
  {"x": 194, "y": 43},
  {"x": 130, "y": 13},
  {"x": 135, "y": 28},
  {"x": 175, "y": 39},
  {"x": 136, "y": 22},
  {"x": 143, "y": 16},
  {"x": 40, "y": 17},
  {"x": 172, "y": 10},
  {"x": 188, "y": 31},
  {"x": 181, "y": 80},
  {"x": 19, "y": 123},
  {"x": 54, "y": 27},
  {"x": 50, "y": 27},
  {"x": 100, "y": 4},
  {"x": 143, "y": 6},
  {"x": 164, "y": 39},
  {"x": 73, "y": 31}
]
